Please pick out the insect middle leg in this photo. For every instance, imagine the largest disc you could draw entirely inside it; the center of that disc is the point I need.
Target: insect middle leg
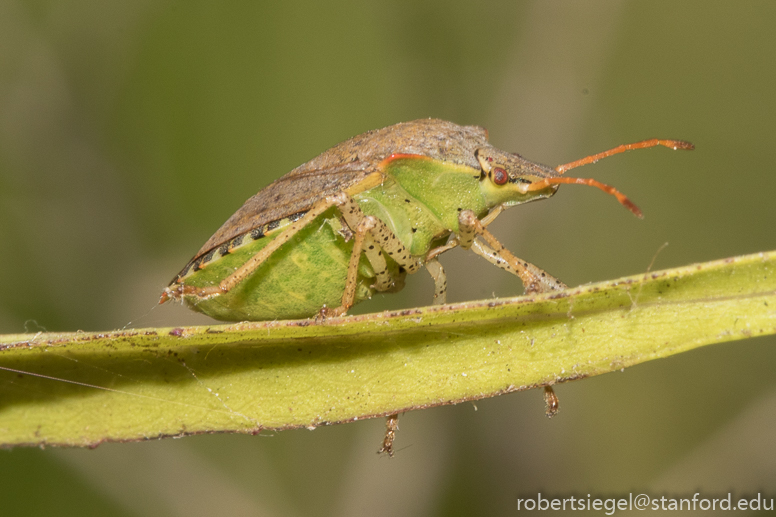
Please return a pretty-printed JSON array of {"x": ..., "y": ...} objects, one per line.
[
  {"x": 440, "y": 280},
  {"x": 362, "y": 242},
  {"x": 534, "y": 279},
  {"x": 373, "y": 238}
]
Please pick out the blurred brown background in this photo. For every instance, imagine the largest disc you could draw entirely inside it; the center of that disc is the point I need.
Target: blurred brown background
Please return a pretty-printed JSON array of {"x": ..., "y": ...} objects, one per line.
[{"x": 130, "y": 132}]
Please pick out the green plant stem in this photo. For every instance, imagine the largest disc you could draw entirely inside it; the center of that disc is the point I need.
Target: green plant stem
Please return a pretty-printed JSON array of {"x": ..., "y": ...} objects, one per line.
[{"x": 81, "y": 389}]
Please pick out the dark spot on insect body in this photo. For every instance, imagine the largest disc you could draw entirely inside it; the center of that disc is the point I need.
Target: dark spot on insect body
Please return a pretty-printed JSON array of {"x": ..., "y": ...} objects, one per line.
[
  {"x": 257, "y": 233},
  {"x": 406, "y": 200},
  {"x": 198, "y": 264},
  {"x": 414, "y": 230},
  {"x": 236, "y": 241},
  {"x": 295, "y": 217},
  {"x": 209, "y": 256},
  {"x": 224, "y": 250},
  {"x": 176, "y": 332},
  {"x": 273, "y": 225},
  {"x": 520, "y": 180}
]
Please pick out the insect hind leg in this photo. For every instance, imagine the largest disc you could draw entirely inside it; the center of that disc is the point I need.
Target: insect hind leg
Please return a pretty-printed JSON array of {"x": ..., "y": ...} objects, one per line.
[{"x": 252, "y": 264}]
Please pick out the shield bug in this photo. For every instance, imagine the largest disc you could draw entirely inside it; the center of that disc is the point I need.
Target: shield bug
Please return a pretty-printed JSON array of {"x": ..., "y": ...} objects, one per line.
[{"x": 361, "y": 216}]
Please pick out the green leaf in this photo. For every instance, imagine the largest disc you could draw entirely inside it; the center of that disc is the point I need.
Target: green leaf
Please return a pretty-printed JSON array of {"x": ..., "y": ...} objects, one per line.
[{"x": 81, "y": 389}]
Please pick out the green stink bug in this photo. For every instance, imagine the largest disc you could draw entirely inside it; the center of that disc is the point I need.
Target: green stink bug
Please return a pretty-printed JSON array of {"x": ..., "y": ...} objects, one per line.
[{"x": 362, "y": 215}]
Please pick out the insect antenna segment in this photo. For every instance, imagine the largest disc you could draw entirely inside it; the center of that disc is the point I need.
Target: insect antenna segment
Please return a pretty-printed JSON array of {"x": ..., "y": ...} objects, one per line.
[
  {"x": 644, "y": 144},
  {"x": 622, "y": 198}
]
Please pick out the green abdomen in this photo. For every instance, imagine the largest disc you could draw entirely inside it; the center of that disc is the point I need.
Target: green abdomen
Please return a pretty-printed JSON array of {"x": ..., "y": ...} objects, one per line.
[
  {"x": 310, "y": 271},
  {"x": 296, "y": 281}
]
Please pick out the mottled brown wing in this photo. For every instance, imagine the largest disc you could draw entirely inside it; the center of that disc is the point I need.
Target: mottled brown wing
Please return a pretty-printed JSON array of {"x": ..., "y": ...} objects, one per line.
[
  {"x": 345, "y": 165},
  {"x": 295, "y": 192}
]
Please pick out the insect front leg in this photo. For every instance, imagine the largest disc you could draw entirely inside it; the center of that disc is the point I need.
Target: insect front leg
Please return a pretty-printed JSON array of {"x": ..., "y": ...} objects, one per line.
[
  {"x": 437, "y": 272},
  {"x": 534, "y": 279}
]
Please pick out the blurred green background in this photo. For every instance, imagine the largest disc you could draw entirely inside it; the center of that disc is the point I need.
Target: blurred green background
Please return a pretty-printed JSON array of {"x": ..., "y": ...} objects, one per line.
[{"x": 130, "y": 131}]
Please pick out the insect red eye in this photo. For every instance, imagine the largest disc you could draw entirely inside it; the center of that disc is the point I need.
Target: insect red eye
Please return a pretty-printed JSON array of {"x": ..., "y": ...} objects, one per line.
[{"x": 500, "y": 176}]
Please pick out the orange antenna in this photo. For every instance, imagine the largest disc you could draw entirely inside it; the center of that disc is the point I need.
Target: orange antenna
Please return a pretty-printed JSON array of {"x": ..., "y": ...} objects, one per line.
[
  {"x": 672, "y": 144},
  {"x": 630, "y": 205},
  {"x": 557, "y": 180}
]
